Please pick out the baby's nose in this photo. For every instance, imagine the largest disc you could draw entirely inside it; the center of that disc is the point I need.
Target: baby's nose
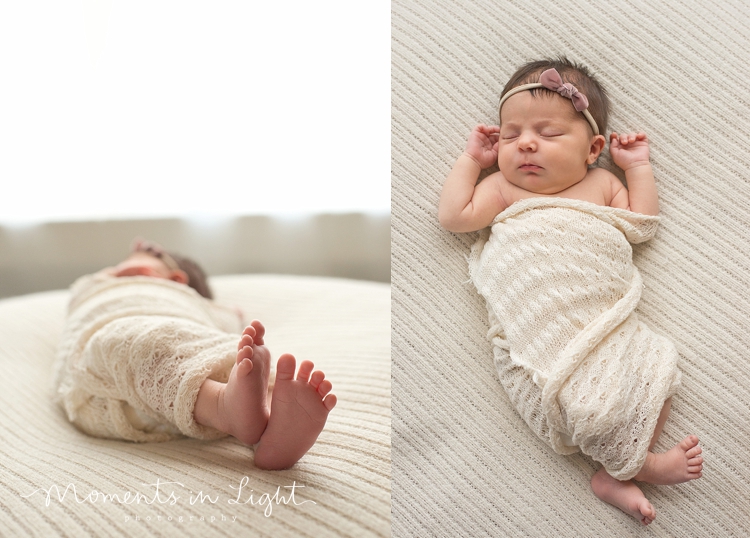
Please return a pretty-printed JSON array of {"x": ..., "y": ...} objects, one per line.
[{"x": 527, "y": 141}]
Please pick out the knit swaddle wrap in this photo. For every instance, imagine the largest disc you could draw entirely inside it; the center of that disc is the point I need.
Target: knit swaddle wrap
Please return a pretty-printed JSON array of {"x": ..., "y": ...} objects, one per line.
[
  {"x": 134, "y": 354},
  {"x": 561, "y": 291}
]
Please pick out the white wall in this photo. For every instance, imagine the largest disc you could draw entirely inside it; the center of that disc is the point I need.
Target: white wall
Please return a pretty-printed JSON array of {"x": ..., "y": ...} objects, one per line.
[{"x": 50, "y": 256}]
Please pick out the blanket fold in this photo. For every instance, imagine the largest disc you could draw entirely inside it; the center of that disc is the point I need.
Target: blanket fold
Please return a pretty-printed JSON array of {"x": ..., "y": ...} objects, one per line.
[
  {"x": 134, "y": 354},
  {"x": 561, "y": 291}
]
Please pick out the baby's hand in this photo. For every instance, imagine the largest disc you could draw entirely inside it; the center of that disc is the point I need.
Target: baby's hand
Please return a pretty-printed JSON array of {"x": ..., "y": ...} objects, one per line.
[
  {"x": 482, "y": 145},
  {"x": 629, "y": 150}
]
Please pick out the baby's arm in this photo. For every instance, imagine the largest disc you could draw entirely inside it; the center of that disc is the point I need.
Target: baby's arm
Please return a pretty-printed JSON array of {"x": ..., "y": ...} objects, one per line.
[
  {"x": 630, "y": 152},
  {"x": 464, "y": 205}
]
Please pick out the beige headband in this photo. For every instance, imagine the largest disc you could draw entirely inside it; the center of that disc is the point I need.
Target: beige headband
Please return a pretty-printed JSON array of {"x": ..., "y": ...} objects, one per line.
[{"x": 551, "y": 80}]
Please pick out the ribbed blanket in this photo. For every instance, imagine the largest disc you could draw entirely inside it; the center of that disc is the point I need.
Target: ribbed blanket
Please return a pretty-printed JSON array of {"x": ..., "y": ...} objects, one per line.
[{"x": 561, "y": 290}]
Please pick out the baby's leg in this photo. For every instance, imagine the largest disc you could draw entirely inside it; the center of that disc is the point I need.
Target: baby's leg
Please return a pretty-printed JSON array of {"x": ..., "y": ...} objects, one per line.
[
  {"x": 299, "y": 409},
  {"x": 660, "y": 423},
  {"x": 681, "y": 463},
  {"x": 239, "y": 407}
]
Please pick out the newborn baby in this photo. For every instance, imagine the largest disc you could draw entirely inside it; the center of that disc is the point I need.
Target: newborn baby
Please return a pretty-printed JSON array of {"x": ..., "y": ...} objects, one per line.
[
  {"x": 146, "y": 355},
  {"x": 557, "y": 275}
]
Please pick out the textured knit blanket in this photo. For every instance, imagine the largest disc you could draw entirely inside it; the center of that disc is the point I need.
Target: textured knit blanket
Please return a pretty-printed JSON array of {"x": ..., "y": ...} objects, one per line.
[
  {"x": 561, "y": 290},
  {"x": 134, "y": 354}
]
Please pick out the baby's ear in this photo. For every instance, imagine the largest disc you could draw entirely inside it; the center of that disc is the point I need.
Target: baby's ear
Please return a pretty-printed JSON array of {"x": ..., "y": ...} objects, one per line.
[
  {"x": 178, "y": 275},
  {"x": 597, "y": 145}
]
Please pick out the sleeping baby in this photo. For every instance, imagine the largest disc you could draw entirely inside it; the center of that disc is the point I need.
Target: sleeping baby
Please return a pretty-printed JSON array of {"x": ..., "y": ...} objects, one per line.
[
  {"x": 557, "y": 275},
  {"x": 146, "y": 355}
]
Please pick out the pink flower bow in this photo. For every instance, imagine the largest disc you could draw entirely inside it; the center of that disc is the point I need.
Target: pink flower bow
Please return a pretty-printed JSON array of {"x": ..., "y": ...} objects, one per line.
[{"x": 551, "y": 80}]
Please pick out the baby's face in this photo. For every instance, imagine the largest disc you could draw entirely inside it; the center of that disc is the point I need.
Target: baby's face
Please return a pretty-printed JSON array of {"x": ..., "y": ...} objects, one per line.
[
  {"x": 545, "y": 144},
  {"x": 142, "y": 264}
]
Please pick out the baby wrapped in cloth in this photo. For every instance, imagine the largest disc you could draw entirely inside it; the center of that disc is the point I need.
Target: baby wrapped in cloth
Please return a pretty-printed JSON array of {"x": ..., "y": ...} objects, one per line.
[
  {"x": 561, "y": 290},
  {"x": 134, "y": 354}
]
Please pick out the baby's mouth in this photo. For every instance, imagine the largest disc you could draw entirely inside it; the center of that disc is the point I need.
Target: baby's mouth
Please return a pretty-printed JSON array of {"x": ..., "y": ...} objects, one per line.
[{"x": 529, "y": 167}]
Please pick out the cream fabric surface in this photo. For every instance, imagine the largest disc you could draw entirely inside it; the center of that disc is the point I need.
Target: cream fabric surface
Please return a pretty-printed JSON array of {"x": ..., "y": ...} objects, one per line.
[
  {"x": 578, "y": 365},
  {"x": 464, "y": 462},
  {"x": 343, "y": 326}
]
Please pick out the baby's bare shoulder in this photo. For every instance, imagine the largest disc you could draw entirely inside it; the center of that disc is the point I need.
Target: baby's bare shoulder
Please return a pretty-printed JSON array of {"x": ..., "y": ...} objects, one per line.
[
  {"x": 600, "y": 175},
  {"x": 614, "y": 192},
  {"x": 602, "y": 179}
]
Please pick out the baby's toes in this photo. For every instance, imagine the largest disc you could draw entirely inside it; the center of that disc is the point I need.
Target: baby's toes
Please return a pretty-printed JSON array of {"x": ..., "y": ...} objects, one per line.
[
  {"x": 244, "y": 367},
  {"x": 693, "y": 452},
  {"x": 688, "y": 443},
  {"x": 324, "y": 387},
  {"x": 285, "y": 367},
  {"x": 250, "y": 330},
  {"x": 330, "y": 401},
  {"x": 305, "y": 369},
  {"x": 647, "y": 511},
  {"x": 246, "y": 340},
  {"x": 245, "y": 352},
  {"x": 316, "y": 378},
  {"x": 260, "y": 331}
]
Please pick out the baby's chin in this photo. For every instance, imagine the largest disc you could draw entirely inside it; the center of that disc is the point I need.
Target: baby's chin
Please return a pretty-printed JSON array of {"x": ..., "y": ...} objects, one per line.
[
  {"x": 541, "y": 190},
  {"x": 535, "y": 184}
]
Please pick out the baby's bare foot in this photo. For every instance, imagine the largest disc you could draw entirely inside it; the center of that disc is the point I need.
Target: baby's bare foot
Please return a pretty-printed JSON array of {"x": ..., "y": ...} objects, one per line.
[
  {"x": 624, "y": 495},
  {"x": 680, "y": 464},
  {"x": 299, "y": 409},
  {"x": 243, "y": 404}
]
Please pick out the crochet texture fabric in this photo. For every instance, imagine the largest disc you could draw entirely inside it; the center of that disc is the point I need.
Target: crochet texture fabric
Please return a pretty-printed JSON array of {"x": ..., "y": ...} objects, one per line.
[
  {"x": 561, "y": 290},
  {"x": 134, "y": 354}
]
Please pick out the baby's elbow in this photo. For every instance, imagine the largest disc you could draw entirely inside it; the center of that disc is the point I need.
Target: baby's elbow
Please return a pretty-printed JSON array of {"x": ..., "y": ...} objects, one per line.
[
  {"x": 447, "y": 220},
  {"x": 463, "y": 221},
  {"x": 457, "y": 225},
  {"x": 449, "y": 225}
]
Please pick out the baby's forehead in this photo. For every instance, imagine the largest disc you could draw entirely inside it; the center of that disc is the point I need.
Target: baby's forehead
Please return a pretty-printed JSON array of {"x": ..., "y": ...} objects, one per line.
[{"x": 538, "y": 104}]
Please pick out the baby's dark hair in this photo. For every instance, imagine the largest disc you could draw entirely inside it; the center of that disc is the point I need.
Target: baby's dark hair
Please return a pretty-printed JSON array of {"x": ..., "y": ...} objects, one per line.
[
  {"x": 577, "y": 74},
  {"x": 196, "y": 276}
]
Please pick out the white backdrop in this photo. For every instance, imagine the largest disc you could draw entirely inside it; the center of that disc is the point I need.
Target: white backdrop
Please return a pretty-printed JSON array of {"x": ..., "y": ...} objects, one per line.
[{"x": 127, "y": 109}]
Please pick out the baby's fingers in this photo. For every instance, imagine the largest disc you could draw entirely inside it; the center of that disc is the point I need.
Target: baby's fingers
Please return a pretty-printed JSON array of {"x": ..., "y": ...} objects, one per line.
[
  {"x": 628, "y": 138},
  {"x": 488, "y": 130}
]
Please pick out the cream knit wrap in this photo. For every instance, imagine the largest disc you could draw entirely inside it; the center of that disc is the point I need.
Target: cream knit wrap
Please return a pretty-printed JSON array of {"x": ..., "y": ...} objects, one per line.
[
  {"x": 134, "y": 354},
  {"x": 561, "y": 290}
]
